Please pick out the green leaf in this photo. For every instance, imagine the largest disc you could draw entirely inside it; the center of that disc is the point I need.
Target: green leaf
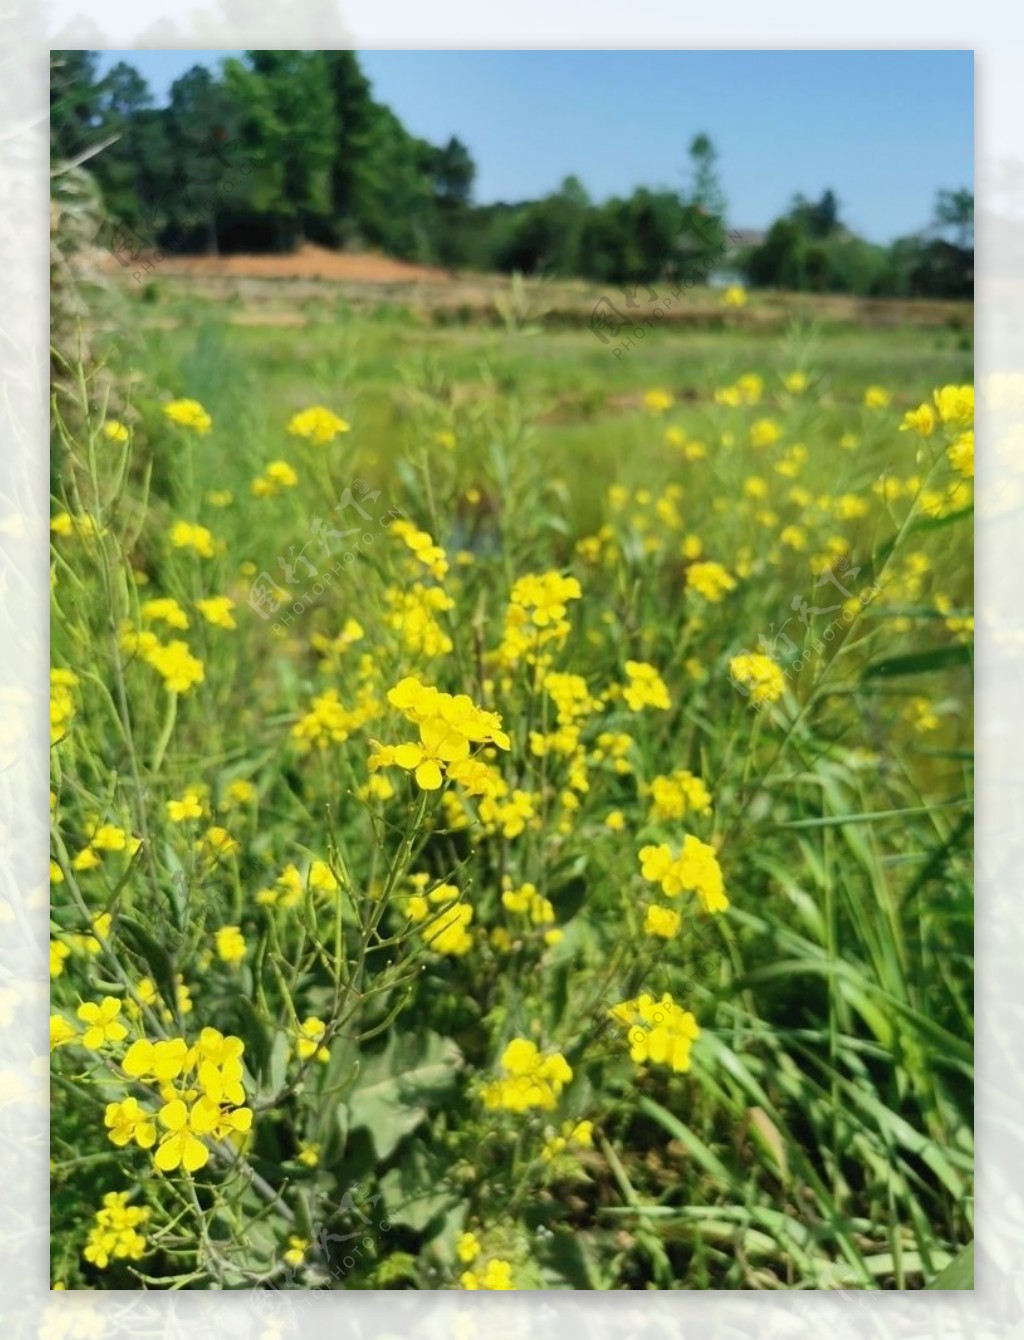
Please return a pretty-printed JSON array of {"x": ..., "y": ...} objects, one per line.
[
  {"x": 278, "y": 1063},
  {"x": 959, "y": 1274},
  {"x": 570, "y": 1261},
  {"x": 415, "y": 1192},
  {"x": 397, "y": 1086},
  {"x": 921, "y": 662}
]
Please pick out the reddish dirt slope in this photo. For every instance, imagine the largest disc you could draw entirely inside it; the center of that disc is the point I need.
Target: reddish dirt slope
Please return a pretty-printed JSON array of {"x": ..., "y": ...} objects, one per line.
[{"x": 309, "y": 262}]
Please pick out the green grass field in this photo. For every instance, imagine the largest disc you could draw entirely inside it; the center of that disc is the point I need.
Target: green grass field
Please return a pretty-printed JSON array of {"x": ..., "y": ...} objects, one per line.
[{"x": 377, "y": 941}]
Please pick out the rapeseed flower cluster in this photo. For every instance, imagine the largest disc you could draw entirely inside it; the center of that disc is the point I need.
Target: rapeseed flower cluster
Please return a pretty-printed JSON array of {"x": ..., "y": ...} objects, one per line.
[
  {"x": 694, "y": 870},
  {"x": 449, "y": 726},
  {"x": 431, "y": 555},
  {"x": 329, "y": 722},
  {"x": 663, "y": 922},
  {"x": 115, "y": 1234},
  {"x": 202, "y": 1092},
  {"x": 173, "y": 661},
  {"x": 746, "y": 390},
  {"x": 645, "y": 688},
  {"x": 710, "y": 580},
  {"x": 163, "y": 609},
  {"x": 116, "y": 431},
  {"x": 952, "y": 408},
  {"x": 528, "y": 902},
  {"x": 495, "y": 1274},
  {"x": 187, "y": 535},
  {"x": 658, "y": 401},
  {"x": 230, "y": 944},
  {"x": 531, "y": 1079},
  {"x": 317, "y": 424},
  {"x": 677, "y": 794},
  {"x": 413, "y": 611},
  {"x": 188, "y": 414},
  {"x": 309, "y": 1042},
  {"x": 536, "y": 615},
  {"x": 659, "y": 1032},
  {"x": 758, "y": 674},
  {"x": 277, "y": 476},
  {"x": 443, "y": 918},
  {"x": 507, "y": 810}
]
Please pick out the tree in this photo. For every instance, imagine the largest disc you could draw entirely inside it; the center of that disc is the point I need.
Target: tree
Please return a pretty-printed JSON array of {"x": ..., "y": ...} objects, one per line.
[
  {"x": 393, "y": 188},
  {"x": 706, "y": 189},
  {"x": 928, "y": 268},
  {"x": 454, "y": 171},
  {"x": 353, "y": 118},
  {"x": 954, "y": 211},
  {"x": 780, "y": 261},
  {"x": 121, "y": 170},
  {"x": 204, "y": 125},
  {"x": 823, "y": 218},
  {"x": 289, "y": 125}
]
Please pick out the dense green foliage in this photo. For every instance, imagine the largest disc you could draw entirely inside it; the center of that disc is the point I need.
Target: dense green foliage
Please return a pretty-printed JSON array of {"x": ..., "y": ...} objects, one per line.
[{"x": 287, "y": 146}]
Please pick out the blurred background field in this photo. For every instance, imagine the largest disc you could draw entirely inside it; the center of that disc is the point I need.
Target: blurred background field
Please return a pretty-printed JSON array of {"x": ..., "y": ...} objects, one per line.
[{"x": 260, "y": 353}]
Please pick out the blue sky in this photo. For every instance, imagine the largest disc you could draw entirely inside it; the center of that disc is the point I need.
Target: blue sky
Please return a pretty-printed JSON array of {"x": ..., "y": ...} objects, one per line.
[{"x": 884, "y": 129}]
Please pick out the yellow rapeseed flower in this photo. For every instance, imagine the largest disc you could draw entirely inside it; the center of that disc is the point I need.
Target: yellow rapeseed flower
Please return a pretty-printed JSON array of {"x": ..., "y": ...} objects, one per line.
[
  {"x": 759, "y": 674},
  {"x": 710, "y": 580},
  {"x": 188, "y": 806},
  {"x": 163, "y": 609},
  {"x": 217, "y": 610},
  {"x": 658, "y": 401},
  {"x": 185, "y": 535},
  {"x": 309, "y": 1040},
  {"x": 658, "y": 1032},
  {"x": 955, "y": 405},
  {"x": 189, "y": 414},
  {"x": 921, "y": 421},
  {"x": 317, "y": 424},
  {"x": 102, "y": 1023},
  {"x": 115, "y": 431},
  {"x": 230, "y": 944},
  {"x": 531, "y": 1078},
  {"x": 496, "y": 1275},
  {"x": 662, "y": 921},
  {"x": 646, "y": 688}
]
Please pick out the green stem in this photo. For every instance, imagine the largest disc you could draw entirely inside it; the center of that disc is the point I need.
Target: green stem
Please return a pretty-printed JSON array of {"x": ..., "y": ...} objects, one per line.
[{"x": 166, "y": 732}]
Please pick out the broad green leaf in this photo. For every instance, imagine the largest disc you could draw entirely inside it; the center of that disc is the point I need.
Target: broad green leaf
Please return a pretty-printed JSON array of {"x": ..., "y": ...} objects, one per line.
[
  {"x": 398, "y": 1085},
  {"x": 415, "y": 1191}
]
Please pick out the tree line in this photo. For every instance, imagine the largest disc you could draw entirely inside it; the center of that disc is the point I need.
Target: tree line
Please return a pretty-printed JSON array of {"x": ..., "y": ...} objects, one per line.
[{"x": 282, "y": 147}]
